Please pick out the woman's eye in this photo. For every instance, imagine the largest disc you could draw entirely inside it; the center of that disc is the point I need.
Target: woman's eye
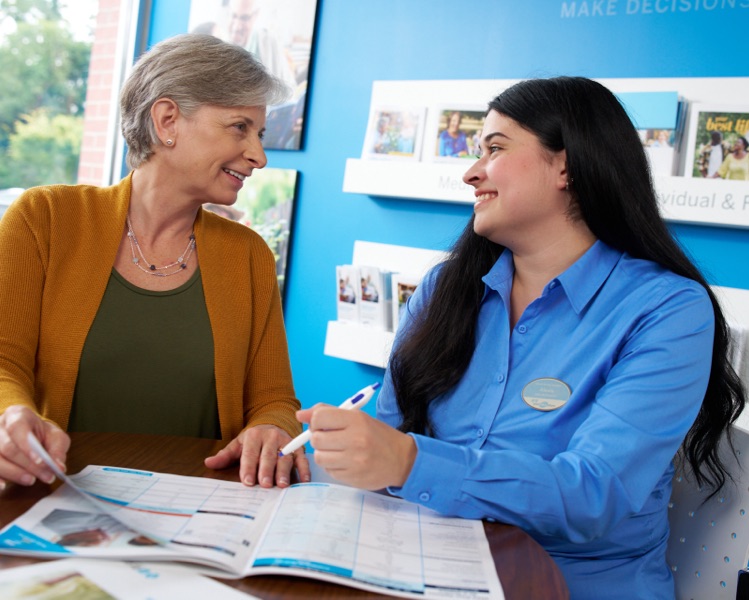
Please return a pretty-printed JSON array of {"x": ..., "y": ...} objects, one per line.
[
  {"x": 493, "y": 149},
  {"x": 241, "y": 126}
]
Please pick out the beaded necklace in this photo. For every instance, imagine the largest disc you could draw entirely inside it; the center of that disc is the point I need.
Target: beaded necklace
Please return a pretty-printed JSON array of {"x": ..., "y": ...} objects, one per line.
[{"x": 180, "y": 263}]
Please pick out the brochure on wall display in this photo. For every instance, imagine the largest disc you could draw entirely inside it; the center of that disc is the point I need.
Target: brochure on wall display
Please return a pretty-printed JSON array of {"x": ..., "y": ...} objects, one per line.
[
  {"x": 374, "y": 308},
  {"x": 110, "y": 580},
  {"x": 323, "y": 531},
  {"x": 347, "y": 293},
  {"x": 455, "y": 133},
  {"x": 713, "y": 132},
  {"x": 659, "y": 119},
  {"x": 394, "y": 132},
  {"x": 404, "y": 285}
]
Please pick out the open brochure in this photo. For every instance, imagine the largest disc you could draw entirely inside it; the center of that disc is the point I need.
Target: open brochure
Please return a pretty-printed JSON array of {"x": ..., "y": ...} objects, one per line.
[
  {"x": 110, "y": 580},
  {"x": 324, "y": 531}
]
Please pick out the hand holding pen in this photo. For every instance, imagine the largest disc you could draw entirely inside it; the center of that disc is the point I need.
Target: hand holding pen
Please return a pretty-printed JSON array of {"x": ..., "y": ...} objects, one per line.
[
  {"x": 358, "y": 449},
  {"x": 358, "y": 400}
]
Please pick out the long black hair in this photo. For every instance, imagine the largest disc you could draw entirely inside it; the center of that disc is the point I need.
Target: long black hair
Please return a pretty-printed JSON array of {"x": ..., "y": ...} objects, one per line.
[{"x": 613, "y": 193}]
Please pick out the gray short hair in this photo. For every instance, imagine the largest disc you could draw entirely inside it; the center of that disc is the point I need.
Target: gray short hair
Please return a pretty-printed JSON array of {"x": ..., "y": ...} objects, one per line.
[{"x": 193, "y": 70}]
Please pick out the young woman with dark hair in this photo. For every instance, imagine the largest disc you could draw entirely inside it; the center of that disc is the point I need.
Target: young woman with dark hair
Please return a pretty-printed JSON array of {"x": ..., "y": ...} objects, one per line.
[{"x": 548, "y": 372}]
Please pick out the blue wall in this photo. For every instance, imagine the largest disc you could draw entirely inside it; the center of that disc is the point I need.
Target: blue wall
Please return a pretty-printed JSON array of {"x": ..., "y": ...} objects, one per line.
[{"x": 358, "y": 42}]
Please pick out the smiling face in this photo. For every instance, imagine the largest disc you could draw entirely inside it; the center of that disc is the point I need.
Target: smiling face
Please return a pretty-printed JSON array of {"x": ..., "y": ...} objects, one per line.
[
  {"x": 520, "y": 185},
  {"x": 216, "y": 149}
]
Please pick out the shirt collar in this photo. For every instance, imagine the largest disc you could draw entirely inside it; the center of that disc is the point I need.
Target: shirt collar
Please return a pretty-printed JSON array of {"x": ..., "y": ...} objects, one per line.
[{"x": 580, "y": 281}]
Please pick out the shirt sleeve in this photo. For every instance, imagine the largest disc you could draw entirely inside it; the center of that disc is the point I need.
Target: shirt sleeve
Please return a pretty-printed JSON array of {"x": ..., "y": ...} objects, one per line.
[{"x": 614, "y": 459}]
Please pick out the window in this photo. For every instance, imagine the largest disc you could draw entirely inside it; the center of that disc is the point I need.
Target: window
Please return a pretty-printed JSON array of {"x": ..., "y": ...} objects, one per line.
[{"x": 45, "y": 53}]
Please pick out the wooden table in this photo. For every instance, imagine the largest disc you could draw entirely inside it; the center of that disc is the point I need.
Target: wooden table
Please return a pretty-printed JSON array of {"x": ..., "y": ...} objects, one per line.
[{"x": 525, "y": 570}]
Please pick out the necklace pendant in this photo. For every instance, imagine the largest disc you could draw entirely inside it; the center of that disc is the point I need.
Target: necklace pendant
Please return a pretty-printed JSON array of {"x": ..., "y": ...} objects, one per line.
[
  {"x": 153, "y": 267},
  {"x": 135, "y": 260}
]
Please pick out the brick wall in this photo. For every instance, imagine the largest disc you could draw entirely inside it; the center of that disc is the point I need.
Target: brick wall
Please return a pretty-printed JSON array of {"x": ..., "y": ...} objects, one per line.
[{"x": 99, "y": 115}]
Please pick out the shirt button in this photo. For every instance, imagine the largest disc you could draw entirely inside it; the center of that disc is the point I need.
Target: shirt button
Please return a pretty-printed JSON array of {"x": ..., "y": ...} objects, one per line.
[
  {"x": 424, "y": 496},
  {"x": 479, "y": 432},
  {"x": 553, "y": 284},
  {"x": 501, "y": 378},
  {"x": 522, "y": 329}
]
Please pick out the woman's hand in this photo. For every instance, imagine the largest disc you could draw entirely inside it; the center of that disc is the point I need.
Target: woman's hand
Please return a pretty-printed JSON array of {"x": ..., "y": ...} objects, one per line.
[
  {"x": 256, "y": 449},
  {"x": 357, "y": 449},
  {"x": 18, "y": 462}
]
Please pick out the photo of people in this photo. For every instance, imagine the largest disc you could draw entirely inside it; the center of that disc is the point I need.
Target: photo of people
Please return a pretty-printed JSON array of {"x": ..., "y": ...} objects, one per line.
[
  {"x": 369, "y": 292},
  {"x": 73, "y": 528},
  {"x": 403, "y": 286},
  {"x": 458, "y": 132},
  {"x": 280, "y": 34},
  {"x": 346, "y": 291},
  {"x": 659, "y": 148},
  {"x": 394, "y": 133},
  {"x": 266, "y": 204},
  {"x": 717, "y": 146}
]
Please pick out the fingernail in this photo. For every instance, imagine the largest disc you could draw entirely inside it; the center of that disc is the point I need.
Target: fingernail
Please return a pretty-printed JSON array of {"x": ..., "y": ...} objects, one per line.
[
  {"x": 2, "y": 485},
  {"x": 36, "y": 458},
  {"x": 306, "y": 479},
  {"x": 49, "y": 478},
  {"x": 28, "y": 479},
  {"x": 267, "y": 482},
  {"x": 249, "y": 481},
  {"x": 283, "y": 481}
]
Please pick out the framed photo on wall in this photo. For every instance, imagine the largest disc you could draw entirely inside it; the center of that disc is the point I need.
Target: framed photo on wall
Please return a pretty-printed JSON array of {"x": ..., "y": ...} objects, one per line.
[
  {"x": 455, "y": 133},
  {"x": 394, "y": 132},
  {"x": 713, "y": 131},
  {"x": 280, "y": 34},
  {"x": 266, "y": 204}
]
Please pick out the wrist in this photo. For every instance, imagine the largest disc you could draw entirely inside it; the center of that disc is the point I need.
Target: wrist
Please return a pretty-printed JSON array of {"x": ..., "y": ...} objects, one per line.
[{"x": 407, "y": 453}]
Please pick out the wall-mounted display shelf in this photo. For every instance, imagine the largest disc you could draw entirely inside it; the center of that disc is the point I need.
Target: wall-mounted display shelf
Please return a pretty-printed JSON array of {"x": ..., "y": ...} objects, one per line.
[
  {"x": 369, "y": 345},
  {"x": 415, "y": 180},
  {"x": 683, "y": 199}
]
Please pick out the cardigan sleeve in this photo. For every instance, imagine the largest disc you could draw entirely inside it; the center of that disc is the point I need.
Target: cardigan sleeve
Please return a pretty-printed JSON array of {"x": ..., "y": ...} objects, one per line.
[
  {"x": 22, "y": 276},
  {"x": 269, "y": 396}
]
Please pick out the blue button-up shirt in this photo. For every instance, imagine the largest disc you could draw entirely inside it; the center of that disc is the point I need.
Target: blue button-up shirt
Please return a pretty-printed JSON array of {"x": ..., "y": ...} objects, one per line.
[{"x": 625, "y": 347}]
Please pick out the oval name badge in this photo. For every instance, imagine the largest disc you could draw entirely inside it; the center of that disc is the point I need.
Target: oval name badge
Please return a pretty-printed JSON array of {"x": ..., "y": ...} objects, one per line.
[{"x": 546, "y": 393}]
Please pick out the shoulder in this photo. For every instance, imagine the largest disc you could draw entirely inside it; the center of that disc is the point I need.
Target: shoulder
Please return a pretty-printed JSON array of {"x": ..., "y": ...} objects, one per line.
[
  {"x": 648, "y": 288},
  {"x": 75, "y": 203}
]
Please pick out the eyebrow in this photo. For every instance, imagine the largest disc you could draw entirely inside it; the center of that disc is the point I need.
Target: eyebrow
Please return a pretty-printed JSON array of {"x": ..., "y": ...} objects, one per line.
[{"x": 493, "y": 134}]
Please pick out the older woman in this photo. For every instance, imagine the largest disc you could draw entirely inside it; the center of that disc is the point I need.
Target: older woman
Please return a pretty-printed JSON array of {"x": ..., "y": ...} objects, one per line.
[{"x": 130, "y": 308}]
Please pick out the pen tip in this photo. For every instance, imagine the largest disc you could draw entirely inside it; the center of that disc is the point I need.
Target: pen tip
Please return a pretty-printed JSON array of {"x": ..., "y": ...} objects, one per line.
[
  {"x": 375, "y": 385},
  {"x": 280, "y": 455}
]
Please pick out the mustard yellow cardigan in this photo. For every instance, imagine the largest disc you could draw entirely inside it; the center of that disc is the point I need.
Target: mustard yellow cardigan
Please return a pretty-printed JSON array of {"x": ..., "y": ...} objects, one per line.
[{"x": 57, "y": 248}]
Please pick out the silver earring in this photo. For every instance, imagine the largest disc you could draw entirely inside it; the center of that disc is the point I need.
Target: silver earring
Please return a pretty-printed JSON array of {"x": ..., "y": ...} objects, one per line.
[
  {"x": 169, "y": 142},
  {"x": 567, "y": 184}
]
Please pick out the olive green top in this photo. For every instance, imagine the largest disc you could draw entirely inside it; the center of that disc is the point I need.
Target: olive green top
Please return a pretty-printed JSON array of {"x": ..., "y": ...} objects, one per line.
[{"x": 147, "y": 363}]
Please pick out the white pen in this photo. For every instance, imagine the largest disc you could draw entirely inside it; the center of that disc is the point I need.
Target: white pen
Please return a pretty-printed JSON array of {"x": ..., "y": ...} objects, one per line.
[{"x": 356, "y": 401}]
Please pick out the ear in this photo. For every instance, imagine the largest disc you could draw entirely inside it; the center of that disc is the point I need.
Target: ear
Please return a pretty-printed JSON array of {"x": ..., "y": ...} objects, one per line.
[
  {"x": 559, "y": 163},
  {"x": 165, "y": 114}
]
